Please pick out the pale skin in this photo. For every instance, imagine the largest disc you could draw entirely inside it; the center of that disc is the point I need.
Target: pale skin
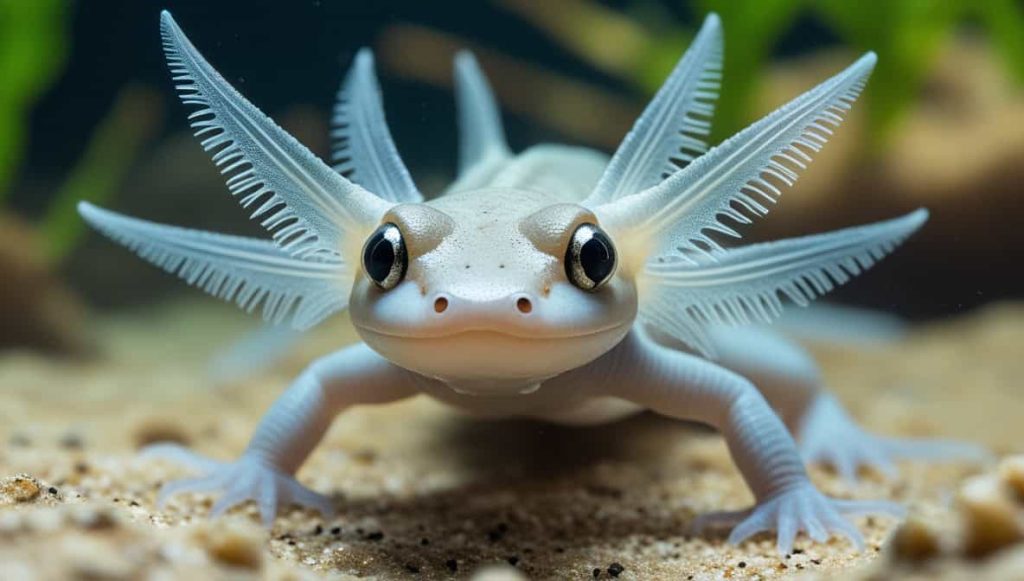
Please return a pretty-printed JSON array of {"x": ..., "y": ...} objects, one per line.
[
  {"x": 556, "y": 284},
  {"x": 628, "y": 367}
]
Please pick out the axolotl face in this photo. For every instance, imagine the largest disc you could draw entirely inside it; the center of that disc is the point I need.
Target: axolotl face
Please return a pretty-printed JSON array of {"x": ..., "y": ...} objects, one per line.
[{"x": 491, "y": 292}]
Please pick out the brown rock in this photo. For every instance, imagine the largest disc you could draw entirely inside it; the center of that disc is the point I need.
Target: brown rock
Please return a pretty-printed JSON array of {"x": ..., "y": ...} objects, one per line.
[
  {"x": 1011, "y": 472},
  {"x": 19, "y": 488},
  {"x": 916, "y": 540},
  {"x": 156, "y": 430},
  {"x": 93, "y": 518},
  {"x": 36, "y": 310},
  {"x": 498, "y": 573},
  {"x": 990, "y": 516},
  {"x": 232, "y": 542},
  {"x": 93, "y": 558}
]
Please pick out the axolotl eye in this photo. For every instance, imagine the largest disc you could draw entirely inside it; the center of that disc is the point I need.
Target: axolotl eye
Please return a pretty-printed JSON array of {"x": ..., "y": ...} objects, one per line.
[
  {"x": 590, "y": 258},
  {"x": 384, "y": 256}
]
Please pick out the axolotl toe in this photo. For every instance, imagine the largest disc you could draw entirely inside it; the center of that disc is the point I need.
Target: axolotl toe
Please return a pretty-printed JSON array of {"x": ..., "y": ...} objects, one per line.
[{"x": 555, "y": 283}]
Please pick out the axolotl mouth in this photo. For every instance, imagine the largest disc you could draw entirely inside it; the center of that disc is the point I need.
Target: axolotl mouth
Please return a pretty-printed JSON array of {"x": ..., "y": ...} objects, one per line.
[
  {"x": 524, "y": 333},
  {"x": 492, "y": 387},
  {"x": 492, "y": 362}
]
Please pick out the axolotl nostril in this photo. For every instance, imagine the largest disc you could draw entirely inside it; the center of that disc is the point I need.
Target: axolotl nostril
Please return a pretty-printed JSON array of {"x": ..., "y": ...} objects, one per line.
[{"x": 556, "y": 284}]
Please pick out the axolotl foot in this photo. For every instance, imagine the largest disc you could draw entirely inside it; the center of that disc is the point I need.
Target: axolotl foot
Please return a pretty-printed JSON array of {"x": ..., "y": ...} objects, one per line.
[
  {"x": 799, "y": 509},
  {"x": 829, "y": 436},
  {"x": 247, "y": 478}
]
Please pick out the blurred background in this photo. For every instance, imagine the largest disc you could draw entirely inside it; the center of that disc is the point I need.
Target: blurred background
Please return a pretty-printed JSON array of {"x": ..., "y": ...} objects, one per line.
[{"x": 87, "y": 111}]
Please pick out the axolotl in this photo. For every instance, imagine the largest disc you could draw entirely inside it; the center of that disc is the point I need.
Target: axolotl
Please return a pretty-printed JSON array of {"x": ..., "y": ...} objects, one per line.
[{"x": 555, "y": 284}]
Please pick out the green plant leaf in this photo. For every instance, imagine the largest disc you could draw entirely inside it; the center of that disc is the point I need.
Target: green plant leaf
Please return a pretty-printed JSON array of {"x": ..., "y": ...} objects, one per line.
[
  {"x": 907, "y": 37},
  {"x": 752, "y": 30},
  {"x": 1004, "y": 20},
  {"x": 115, "y": 145},
  {"x": 32, "y": 52}
]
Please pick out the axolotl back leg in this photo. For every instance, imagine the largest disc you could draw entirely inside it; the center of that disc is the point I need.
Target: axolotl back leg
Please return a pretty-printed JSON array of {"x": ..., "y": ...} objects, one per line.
[{"x": 791, "y": 381}]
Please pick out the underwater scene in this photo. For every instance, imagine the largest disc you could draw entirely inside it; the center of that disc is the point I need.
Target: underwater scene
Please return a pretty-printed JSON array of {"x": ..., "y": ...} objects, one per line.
[{"x": 512, "y": 289}]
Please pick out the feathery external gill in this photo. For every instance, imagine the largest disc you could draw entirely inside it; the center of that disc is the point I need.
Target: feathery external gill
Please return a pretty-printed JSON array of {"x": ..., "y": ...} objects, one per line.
[
  {"x": 247, "y": 271},
  {"x": 739, "y": 177},
  {"x": 363, "y": 149},
  {"x": 747, "y": 284},
  {"x": 296, "y": 196},
  {"x": 672, "y": 130}
]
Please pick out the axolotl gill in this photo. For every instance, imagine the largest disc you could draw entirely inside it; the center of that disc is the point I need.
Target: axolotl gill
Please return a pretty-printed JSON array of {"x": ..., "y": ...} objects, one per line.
[{"x": 556, "y": 284}]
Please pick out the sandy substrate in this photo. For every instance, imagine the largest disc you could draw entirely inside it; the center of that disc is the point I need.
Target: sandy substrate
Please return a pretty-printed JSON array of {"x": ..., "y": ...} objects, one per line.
[{"x": 425, "y": 493}]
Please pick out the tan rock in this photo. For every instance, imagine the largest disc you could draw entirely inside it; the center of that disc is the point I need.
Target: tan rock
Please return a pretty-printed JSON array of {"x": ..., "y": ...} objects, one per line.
[
  {"x": 93, "y": 558},
  {"x": 990, "y": 516},
  {"x": 93, "y": 517},
  {"x": 232, "y": 542},
  {"x": 1011, "y": 472},
  {"x": 498, "y": 573},
  {"x": 154, "y": 430},
  {"x": 36, "y": 310},
  {"x": 916, "y": 540},
  {"x": 19, "y": 488}
]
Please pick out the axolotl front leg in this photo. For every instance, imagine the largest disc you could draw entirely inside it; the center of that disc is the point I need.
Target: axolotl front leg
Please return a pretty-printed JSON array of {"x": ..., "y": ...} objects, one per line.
[
  {"x": 790, "y": 379},
  {"x": 685, "y": 386},
  {"x": 288, "y": 433}
]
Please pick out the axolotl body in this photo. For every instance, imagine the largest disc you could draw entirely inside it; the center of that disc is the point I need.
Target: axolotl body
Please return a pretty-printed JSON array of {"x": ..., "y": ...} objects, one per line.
[{"x": 555, "y": 284}]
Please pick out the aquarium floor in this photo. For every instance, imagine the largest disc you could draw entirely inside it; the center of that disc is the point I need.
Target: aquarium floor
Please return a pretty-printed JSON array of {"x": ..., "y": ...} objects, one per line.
[{"x": 425, "y": 493}]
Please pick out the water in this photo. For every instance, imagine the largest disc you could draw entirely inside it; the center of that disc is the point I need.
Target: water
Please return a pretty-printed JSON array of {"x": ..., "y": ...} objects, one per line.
[{"x": 103, "y": 354}]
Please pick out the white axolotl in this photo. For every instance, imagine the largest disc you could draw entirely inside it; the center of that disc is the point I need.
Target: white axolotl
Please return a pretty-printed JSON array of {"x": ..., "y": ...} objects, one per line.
[{"x": 554, "y": 284}]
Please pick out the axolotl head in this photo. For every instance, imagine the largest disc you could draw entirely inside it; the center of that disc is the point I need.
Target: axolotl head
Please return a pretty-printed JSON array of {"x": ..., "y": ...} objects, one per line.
[{"x": 491, "y": 292}]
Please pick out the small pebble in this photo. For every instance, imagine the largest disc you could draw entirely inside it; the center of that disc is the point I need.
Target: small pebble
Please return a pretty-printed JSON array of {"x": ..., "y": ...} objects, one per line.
[
  {"x": 20, "y": 440},
  {"x": 19, "y": 488},
  {"x": 71, "y": 441},
  {"x": 497, "y": 573},
  {"x": 232, "y": 542},
  {"x": 157, "y": 430},
  {"x": 990, "y": 516},
  {"x": 916, "y": 540},
  {"x": 365, "y": 456},
  {"x": 91, "y": 558},
  {"x": 93, "y": 518},
  {"x": 1011, "y": 472},
  {"x": 615, "y": 569}
]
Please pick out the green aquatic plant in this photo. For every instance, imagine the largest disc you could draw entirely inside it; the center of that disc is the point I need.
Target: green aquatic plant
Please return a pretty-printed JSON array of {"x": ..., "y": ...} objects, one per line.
[
  {"x": 112, "y": 149},
  {"x": 33, "y": 48},
  {"x": 910, "y": 38},
  {"x": 907, "y": 35},
  {"x": 753, "y": 31},
  {"x": 1004, "y": 20}
]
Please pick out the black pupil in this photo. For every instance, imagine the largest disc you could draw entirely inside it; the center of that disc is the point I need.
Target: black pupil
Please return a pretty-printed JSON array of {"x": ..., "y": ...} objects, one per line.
[
  {"x": 379, "y": 257},
  {"x": 596, "y": 258}
]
